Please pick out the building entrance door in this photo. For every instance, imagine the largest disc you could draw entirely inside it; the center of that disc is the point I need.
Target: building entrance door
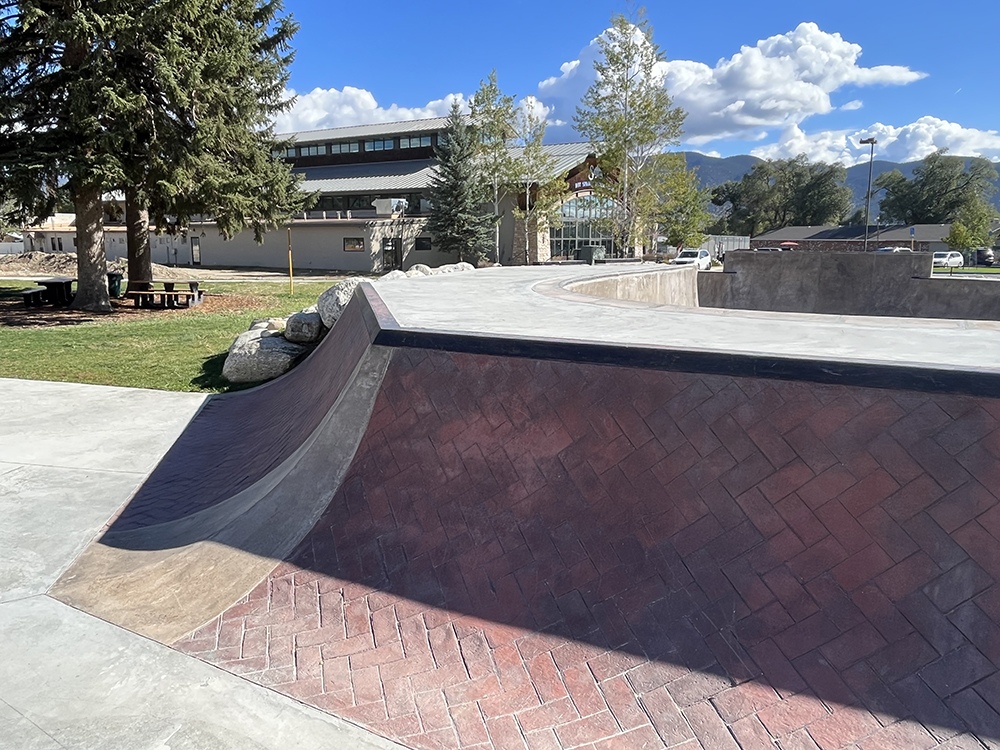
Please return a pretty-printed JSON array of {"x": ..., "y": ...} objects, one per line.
[
  {"x": 392, "y": 254},
  {"x": 196, "y": 251}
]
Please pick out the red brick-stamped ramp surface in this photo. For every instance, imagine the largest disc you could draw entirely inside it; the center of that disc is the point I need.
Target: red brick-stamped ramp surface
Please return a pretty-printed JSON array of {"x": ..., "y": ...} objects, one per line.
[{"x": 539, "y": 555}]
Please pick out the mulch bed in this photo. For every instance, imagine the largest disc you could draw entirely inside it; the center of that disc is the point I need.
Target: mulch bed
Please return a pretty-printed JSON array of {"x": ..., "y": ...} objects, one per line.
[{"x": 13, "y": 313}]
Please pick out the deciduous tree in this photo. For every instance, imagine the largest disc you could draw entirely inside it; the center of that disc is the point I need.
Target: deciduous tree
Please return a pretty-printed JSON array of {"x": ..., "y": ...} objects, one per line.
[
  {"x": 543, "y": 189},
  {"x": 630, "y": 119},
  {"x": 492, "y": 115},
  {"x": 942, "y": 186}
]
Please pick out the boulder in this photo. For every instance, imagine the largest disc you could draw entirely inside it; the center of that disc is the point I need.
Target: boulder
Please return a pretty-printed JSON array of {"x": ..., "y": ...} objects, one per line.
[
  {"x": 268, "y": 324},
  {"x": 393, "y": 275},
  {"x": 463, "y": 266},
  {"x": 260, "y": 355},
  {"x": 332, "y": 302},
  {"x": 446, "y": 268},
  {"x": 419, "y": 269},
  {"x": 305, "y": 326}
]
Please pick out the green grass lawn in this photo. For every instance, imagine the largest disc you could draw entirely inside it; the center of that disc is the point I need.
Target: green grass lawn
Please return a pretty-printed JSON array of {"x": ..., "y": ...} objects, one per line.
[
  {"x": 979, "y": 269},
  {"x": 173, "y": 350}
]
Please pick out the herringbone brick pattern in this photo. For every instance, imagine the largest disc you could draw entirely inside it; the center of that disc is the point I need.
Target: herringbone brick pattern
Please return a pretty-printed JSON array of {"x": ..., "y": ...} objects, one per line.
[{"x": 530, "y": 554}]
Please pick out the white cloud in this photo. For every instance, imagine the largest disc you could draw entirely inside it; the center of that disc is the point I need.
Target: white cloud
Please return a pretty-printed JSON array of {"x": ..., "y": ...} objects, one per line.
[
  {"x": 779, "y": 81},
  {"x": 907, "y": 143},
  {"x": 330, "y": 108},
  {"x": 856, "y": 104}
]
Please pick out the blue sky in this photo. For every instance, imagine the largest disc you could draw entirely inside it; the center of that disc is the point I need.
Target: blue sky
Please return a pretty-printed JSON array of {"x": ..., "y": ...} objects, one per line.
[{"x": 916, "y": 75}]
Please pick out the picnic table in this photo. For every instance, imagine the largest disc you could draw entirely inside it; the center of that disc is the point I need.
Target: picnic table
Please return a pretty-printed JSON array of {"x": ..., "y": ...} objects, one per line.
[
  {"x": 145, "y": 293},
  {"x": 58, "y": 290}
]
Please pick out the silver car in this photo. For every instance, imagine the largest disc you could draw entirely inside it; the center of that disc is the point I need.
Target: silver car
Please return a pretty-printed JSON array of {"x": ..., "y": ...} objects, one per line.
[{"x": 699, "y": 258}]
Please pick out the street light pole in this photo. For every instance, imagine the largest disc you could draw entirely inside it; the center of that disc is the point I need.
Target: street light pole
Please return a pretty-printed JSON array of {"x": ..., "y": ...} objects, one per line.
[{"x": 868, "y": 196}]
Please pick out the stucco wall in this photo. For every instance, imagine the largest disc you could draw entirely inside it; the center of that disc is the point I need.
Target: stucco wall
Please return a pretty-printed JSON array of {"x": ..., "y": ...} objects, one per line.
[
  {"x": 893, "y": 284},
  {"x": 663, "y": 286}
]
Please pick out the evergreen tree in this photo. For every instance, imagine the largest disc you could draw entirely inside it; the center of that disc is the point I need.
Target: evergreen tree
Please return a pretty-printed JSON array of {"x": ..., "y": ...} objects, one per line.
[
  {"x": 630, "y": 119},
  {"x": 169, "y": 101},
  {"x": 492, "y": 116},
  {"x": 457, "y": 194}
]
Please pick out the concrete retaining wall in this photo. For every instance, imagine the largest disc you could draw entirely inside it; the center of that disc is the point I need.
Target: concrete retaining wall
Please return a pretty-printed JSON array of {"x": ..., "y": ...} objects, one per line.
[
  {"x": 665, "y": 286},
  {"x": 891, "y": 284}
]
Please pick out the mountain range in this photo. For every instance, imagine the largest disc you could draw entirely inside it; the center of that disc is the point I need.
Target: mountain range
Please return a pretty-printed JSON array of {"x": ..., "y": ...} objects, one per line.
[{"x": 713, "y": 171}]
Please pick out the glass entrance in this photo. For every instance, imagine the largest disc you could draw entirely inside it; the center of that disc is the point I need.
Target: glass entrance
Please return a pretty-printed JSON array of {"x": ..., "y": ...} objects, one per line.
[
  {"x": 196, "y": 251},
  {"x": 392, "y": 254}
]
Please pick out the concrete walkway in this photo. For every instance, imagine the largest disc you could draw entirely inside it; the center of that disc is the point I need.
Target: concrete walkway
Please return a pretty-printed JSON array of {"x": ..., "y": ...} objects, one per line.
[{"x": 70, "y": 457}]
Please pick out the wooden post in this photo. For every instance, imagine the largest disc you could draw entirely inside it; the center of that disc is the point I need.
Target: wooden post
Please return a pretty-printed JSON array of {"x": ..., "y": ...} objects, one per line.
[{"x": 291, "y": 283}]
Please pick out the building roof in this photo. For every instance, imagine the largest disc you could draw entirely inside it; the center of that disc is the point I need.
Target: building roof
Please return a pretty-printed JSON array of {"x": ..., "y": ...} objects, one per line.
[
  {"x": 565, "y": 155},
  {"x": 430, "y": 125},
  {"x": 885, "y": 234},
  {"x": 369, "y": 177},
  {"x": 413, "y": 175}
]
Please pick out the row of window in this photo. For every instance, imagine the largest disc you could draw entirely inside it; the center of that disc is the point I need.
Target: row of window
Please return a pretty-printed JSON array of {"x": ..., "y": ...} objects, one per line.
[
  {"x": 352, "y": 147},
  {"x": 423, "y": 141},
  {"x": 357, "y": 244},
  {"x": 362, "y": 202}
]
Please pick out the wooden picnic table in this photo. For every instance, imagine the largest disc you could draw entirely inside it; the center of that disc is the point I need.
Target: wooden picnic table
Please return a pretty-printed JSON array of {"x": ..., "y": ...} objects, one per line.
[
  {"x": 145, "y": 293},
  {"x": 58, "y": 289}
]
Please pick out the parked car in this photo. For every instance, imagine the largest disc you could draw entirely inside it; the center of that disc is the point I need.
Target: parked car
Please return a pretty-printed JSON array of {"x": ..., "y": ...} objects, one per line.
[
  {"x": 695, "y": 257},
  {"x": 949, "y": 259},
  {"x": 985, "y": 256}
]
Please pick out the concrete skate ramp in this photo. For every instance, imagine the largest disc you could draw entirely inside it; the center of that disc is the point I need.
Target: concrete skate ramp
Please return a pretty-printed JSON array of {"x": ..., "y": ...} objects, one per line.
[{"x": 547, "y": 541}]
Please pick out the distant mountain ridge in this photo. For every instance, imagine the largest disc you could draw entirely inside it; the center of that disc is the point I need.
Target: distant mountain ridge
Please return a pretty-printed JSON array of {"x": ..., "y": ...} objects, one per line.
[{"x": 713, "y": 171}]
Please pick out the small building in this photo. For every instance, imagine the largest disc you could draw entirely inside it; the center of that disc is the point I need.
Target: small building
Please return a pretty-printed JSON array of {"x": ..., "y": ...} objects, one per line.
[{"x": 919, "y": 237}]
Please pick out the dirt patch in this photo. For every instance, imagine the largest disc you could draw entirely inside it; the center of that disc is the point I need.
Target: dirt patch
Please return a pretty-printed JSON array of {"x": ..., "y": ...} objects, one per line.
[
  {"x": 64, "y": 264},
  {"x": 14, "y": 314}
]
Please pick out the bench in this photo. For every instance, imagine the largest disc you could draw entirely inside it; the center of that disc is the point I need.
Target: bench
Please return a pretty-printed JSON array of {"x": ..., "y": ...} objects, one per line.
[
  {"x": 34, "y": 297},
  {"x": 147, "y": 298}
]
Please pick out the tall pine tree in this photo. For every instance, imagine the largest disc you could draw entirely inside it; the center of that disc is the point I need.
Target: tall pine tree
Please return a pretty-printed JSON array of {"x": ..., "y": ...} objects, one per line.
[
  {"x": 458, "y": 193},
  {"x": 168, "y": 101}
]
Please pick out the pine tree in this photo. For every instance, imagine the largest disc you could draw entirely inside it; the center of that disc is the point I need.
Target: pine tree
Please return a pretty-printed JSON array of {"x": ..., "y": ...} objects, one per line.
[
  {"x": 457, "y": 194},
  {"x": 168, "y": 101}
]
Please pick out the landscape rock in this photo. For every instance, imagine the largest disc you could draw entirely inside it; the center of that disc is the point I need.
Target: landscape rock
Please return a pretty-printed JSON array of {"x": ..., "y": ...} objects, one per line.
[
  {"x": 419, "y": 269},
  {"x": 268, "y": 324},
  {"x": 393, "y": 275},
  {"x": 332, "y": 302},
  {"x": 305, "y": 327},
  {"x": 260, "y": 355},
  {"x": 446, "y": 268},
  {"x": 463, "y": 266}
]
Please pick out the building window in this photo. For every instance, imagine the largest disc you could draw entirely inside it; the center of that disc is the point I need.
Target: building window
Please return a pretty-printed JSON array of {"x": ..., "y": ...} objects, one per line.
[
  {"x": 344, "y": 148},
  {"x": 416, "y": 142},
  {"x": 354, "y": 244},
  {"x": 312, "y": 150},
  {"x": 423, "y": 243},
  {"x": 584, "y": 222},
  {"x": 385, "y": 145},
  {"x": 290, "y": 153},
  {"x": 53, "y": 241}
]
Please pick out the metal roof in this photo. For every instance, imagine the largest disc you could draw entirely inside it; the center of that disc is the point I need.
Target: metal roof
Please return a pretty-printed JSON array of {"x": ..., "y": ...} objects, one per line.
[
  {"x": 370, "y": 177},
  {"x": 411, "y": 176},
  {"x": 352, "y": 132},
  {"x": 565, "y": 155}
]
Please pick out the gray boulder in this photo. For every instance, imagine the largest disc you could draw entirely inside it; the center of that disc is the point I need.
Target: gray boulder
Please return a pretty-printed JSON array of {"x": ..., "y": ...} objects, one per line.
[
  {"x": 305, "y": 327},
  {"x": 393, "y": 275},
  {"x": 418, "y": 269},
  {"x": 446, "y": 268},
  {"x": 268, "y": 324},
  {"x": 332, "y": 302},
  {"x": 463, "y": 266},
  {"x": 260, "y": 355}
]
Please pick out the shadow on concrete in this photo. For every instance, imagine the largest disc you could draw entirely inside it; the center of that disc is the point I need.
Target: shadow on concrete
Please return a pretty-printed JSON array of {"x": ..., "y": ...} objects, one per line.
[{"x": 815, "y": 538}]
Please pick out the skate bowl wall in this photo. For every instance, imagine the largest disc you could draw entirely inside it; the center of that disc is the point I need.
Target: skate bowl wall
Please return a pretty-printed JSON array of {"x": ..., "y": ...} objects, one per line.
[
  {"x": 846, "y": 283},
  {"x": 671, "y": 285}
]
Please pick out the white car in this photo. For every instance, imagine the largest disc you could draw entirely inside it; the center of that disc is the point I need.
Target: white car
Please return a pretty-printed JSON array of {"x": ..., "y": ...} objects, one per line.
[
  {"x": 699, "y": 258},
  {"x": 950, "y": 259}
]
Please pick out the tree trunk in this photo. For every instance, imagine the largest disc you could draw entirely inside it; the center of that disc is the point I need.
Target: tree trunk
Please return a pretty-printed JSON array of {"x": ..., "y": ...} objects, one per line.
[
  {"x": 140, "y": 262},
  {"x": 91, "y": 258}
]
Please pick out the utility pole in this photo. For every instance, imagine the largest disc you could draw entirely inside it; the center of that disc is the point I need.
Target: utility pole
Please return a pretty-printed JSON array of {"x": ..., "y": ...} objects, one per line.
[{"x": 868, "y": 196}]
